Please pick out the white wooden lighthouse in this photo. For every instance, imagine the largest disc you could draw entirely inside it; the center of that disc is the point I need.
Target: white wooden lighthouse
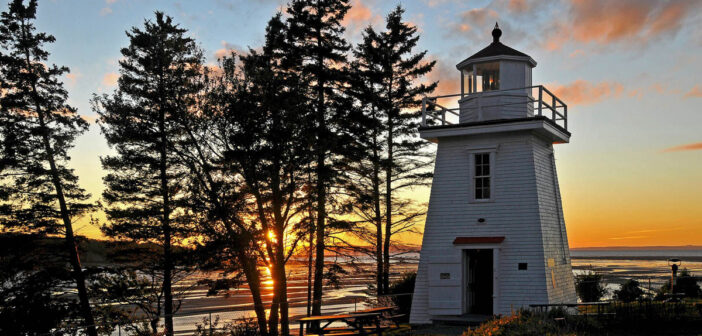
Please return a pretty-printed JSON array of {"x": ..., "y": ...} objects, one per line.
[{"x": 495, "y": 239}]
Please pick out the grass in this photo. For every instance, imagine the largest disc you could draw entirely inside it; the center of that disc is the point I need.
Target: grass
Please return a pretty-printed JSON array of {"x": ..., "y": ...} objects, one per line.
[{"x": 637, "y": 318}]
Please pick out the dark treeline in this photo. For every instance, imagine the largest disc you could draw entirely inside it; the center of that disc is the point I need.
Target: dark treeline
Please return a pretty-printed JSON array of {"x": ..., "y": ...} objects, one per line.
[{"x": 299, "y": 148}]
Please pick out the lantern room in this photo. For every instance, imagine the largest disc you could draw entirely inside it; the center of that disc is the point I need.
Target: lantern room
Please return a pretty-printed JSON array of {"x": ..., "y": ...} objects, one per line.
[{"x": 495, "y": 83}]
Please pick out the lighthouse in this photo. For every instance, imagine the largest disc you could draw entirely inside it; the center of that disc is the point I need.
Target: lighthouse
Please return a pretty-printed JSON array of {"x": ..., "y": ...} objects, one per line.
[{"x": 495, "y": 238}]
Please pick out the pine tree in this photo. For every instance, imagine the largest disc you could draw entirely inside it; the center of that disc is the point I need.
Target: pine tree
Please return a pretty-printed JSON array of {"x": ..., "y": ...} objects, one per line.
[
  {"x": 40, "y": 193},
  {"x": 388, "y": 71},
  {"x": 159, "y": 83},
  {"x": 366, "y": 193},
  {"x": 269, "y": 150},
  {"x": 319, "y": 52}
]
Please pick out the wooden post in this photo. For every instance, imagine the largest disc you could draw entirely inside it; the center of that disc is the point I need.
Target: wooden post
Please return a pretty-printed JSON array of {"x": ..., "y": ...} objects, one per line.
[
  {"x": 541, "y": 88},
  {"x": 424, "y": 111},
  {"x": 553, "y": 108}
]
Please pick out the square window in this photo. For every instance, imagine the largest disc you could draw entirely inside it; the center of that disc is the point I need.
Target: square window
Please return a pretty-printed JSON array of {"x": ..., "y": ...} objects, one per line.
[{"x": 522, "y": 266}]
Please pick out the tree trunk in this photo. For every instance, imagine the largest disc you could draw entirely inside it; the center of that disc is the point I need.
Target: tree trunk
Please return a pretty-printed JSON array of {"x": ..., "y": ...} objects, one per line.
[
  {"x": 275, "y": 305},
  {"x": 378, "y": 218},
  {"x": 310, "y": 260},
  {"x": 388, "y": 208},
  {"x": 71, "y": 246},
  {"x": 321, "y": 172},
  {"x": 166, "y": 226},
  {"x": 282, "y": 283},
  {"x": 254, "y": 281}
]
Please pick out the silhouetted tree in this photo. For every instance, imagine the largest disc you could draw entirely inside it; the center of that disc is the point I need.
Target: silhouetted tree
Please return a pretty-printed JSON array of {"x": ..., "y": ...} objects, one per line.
[
  {"x": 32, "y": 276},
  {"x": 40, "y": 193},
  {"x": 268, "y": 148},
  {"x": 629, "y": 291},
  {"x": 388, "y": 75},
  {"x": 159, "y": 83},
  {"x": 318, "y": 51},
  {"x": 589, "y": 286}
]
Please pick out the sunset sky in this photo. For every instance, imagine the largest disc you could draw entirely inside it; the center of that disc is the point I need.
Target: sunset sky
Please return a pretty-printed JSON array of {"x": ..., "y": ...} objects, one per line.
[{"x": 630, "y": 72}]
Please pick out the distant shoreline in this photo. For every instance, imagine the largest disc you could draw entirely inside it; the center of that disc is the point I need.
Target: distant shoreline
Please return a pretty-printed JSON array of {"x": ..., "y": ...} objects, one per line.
[
  {"x": 685, "y": 258},
  {"x": 640, "y": 248}
]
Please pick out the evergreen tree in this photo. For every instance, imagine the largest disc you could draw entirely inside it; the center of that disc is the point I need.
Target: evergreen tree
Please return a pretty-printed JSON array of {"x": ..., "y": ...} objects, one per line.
[
  {"x": 318, "y": 51},
  {"x": 40, "y": 194},
  {"x": 387, "y": 72},
  {"x": 269, "y": 150},
  {"x": 159, "y": 83},
  {"x": 406, "y": 163},
  {"x": 366, "y": 192}
]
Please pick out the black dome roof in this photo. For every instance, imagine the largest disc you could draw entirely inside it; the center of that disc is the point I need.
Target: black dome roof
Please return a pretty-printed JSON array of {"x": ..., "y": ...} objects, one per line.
[{"x": 496, "y": 48}]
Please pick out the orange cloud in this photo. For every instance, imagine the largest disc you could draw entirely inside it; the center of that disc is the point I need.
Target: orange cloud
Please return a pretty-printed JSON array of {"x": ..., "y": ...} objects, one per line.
[
  {"x": 227, "y": 49},
  {"x": 688, "y": 147},
  {"x": 479, "y": 16},
  {"x": 359, "y": 16},
  {"x": 695, "y": 92},
  {"x": 73, "y": 78},
  {"x": 447, "y": 76},
  {"x": 631, "y": 21},
  {"x": 582, "y": 92},
  {"x": 518, "y": 6},
  {"x": 110, "y": 79}
]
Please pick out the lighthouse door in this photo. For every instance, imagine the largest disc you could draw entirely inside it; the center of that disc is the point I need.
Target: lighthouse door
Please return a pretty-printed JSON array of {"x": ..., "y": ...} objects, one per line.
[{"x": 478, "y": 281}]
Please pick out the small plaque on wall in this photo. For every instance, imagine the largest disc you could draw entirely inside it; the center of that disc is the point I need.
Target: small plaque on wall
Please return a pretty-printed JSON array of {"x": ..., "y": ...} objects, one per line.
[
  {"x": 522, "y": 266},
  {"x": 444, "y": 276}
]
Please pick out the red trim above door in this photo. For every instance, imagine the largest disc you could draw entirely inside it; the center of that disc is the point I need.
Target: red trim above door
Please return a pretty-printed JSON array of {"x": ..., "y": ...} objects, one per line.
[{"x": 478, "y": 240}]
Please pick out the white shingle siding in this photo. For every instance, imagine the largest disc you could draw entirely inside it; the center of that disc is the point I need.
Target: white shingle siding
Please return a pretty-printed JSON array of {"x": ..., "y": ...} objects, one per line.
[{"x": 525, "y": 209}]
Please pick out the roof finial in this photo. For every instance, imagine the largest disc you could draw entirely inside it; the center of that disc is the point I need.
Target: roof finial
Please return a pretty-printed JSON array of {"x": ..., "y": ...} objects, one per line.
[{"x": 496, "y": 33}]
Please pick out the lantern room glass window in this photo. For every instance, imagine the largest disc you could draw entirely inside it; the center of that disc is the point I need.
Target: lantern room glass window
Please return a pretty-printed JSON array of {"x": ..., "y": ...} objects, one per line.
[
  {"x": 487, "y": 76},
  {"x": 468, "y": 81},
  {"x": 480, "y": 77}
]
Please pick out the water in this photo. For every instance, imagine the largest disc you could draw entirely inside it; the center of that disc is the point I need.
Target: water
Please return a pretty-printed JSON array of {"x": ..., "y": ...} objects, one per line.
[{"x": 617, "y": 265}]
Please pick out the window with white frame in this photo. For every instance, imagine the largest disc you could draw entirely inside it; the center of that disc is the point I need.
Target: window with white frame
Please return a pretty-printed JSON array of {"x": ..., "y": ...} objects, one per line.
[{"x": 481, "y": 176}]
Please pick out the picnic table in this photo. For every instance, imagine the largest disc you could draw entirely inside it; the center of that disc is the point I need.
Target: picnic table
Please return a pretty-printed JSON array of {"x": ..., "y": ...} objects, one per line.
[
  {"x": 356, "y": 321},
  {"x": 385, "y": 312}
]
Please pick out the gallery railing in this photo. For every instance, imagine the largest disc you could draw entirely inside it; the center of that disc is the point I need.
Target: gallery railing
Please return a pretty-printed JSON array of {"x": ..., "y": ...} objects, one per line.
[{"x": 541, "y": 101}]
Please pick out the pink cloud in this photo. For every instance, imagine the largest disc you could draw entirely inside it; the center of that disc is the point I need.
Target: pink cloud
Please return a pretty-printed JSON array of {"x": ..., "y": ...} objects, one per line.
[
  {"x": 73, "y": 78},
  {"x": 518, "y": 6},
  {"x": 447, "y": 76},
  {"x": 687, "y": 147},
  {"x": 604, "y": 22},
  {"x": 695, "y": 92},
  {"x": 110, "y": 79},
  {"x": 227, "y": 49},
  {"x": 359, "y": 16},
  {"x": 582, "y": 92}
]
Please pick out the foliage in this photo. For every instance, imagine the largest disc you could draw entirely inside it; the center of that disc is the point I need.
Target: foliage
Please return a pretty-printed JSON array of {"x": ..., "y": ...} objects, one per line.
[
  {"x": 240, "y": 327},
  {"x": 628, "y": 291},
  {"x": 403, "y": 285},
  {"x": 589, "y": 286},
  {"x": 30, "y": 272},
  {"x": 686, "y": 285},
  {"x": 39, "y": 193},
  {"x": 529, "y": 323},
  {"x": 318, "y": 53},
  {"x": 385, "y": 75}
]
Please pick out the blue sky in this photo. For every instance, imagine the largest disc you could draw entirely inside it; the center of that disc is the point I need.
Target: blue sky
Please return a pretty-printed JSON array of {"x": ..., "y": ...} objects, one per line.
[{"x": 629, "y": 71}]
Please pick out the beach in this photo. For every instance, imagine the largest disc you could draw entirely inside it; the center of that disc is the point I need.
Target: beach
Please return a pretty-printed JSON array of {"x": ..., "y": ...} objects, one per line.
[{"x": 617, "y": 265}]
